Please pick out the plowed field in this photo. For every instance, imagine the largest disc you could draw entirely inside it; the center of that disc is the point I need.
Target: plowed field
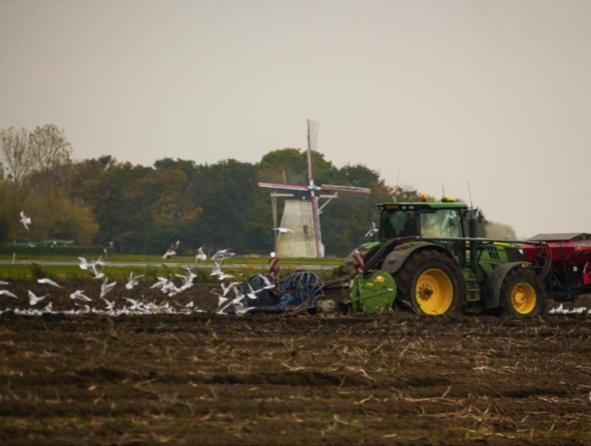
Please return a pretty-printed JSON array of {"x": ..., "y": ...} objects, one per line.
[{"x": 293, "y": 379}]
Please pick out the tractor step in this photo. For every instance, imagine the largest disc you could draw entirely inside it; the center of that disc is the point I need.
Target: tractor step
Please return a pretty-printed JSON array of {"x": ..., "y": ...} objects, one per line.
[{"x": 472, "y": 291}]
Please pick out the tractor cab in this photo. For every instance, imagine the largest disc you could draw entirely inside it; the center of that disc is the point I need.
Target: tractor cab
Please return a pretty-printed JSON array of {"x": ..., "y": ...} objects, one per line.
[{"x": 442, "y": 219}]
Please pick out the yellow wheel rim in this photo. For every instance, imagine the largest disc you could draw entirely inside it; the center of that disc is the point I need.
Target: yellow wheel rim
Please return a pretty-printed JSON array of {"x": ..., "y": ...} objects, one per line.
[
  {"x": 434, "y": 292},
  {"x": 523, "y": 298}
]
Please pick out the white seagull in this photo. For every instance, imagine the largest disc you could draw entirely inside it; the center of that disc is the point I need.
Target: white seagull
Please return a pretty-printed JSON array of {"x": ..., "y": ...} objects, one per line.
[
  {"x": 281, "y": 230},
  {"x": 231, "y": 287},
  {"x": 83, "y": 263},
  {"x": 251, "y": 294},
  {"x": 47, "y": 281},
  {"x": 34, "y": 299},
  {"x": 8, "y": 294},
  {"x": 224, "y": 276},
  {"x": 25, "y": 221},
  {"x": 372, "y": 231},
  {"x": 108, "y": 165},
  {"x": 79, "y": 294},
  {"x": 172, "y": 250},
  {"x": 92, "y": 267},
  {"x": 109, "y": 304},
  {"x": 222, "y": 254},
  {"x": 267, "y": 284},
  {"x": 200, "y": 256},
  {"x": 133, "y": 281},
  {"x": 161, "y": 282},
  {"x": 107, "y": 287},
  {"x": 135, "y": 304}
]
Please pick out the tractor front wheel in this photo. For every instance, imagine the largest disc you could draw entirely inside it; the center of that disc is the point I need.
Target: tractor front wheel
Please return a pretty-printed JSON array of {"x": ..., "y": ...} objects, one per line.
[
  {"x": 431, "y": 283},
  {"x": 522, "y": 294}
]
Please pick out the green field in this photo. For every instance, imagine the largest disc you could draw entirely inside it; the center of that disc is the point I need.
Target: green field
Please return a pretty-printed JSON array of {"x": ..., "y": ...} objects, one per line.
[
  {"x": 144, "y": 258},
  {"x": 67, "y": 273}
]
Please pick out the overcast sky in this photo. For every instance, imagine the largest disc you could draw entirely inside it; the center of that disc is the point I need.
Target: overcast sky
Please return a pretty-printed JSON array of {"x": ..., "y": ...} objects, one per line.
[{"x": 497, "y": 93}]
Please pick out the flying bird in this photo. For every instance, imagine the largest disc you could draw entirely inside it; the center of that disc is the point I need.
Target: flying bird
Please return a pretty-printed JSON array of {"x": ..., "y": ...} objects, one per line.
[
  {"x": 224, "y": 276},
  {"x": 79, "y": 295},
  {"x": 231, "y": 287},
  {"x": 372, "y": 231},
  {"x": 108, "y": 165},
  {"x": 107, "y": 287},
  {"x": 94, "y": 268},
  {"x": 200, "y": 256},
  {"x": 34, "y": 299},
  {"x": 282, "y": 230},
  {"x": 162, "y": 281},
  {"x": 222, "y": 254},
  {"x": 8, "y": 294},
  {"x": 47, "y": 281},
  {"x": 222, "y": 300},
  {"x": 109, "y": 304},
  {"x": 172, "y": 250},
  {"x": 217, "y": 271},
  {"x": 133, "y": 281},
  {"x": 242, "y": 310},
  {"x": 135, "y": 304},
  {"x": 25, "y": 221},
  {"x": 267, "y": 283},
  {"x": 83, "y": 263},
  {"x": 251, "y": 294}
]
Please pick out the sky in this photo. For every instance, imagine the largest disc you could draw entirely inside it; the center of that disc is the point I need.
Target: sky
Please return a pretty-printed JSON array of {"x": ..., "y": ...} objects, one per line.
[{"x": 431, "y": 94}]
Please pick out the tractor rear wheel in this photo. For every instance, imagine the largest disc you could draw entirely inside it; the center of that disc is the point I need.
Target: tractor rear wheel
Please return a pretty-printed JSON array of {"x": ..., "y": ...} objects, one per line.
[
  {"x": 431, "y": 283},
  {"x": 522, "y": 294}
]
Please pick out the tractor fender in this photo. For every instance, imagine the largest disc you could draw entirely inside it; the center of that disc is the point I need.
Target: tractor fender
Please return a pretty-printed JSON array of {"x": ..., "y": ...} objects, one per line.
[
  {"x": 491, "y": 293},
  {"x": 396, "y": 258}
]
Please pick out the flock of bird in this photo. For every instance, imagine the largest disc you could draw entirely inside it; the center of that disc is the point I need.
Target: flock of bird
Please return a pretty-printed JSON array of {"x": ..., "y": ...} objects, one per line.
[
  {"x": 575, "y": 310},
  {"x": 233, "y": 298}
]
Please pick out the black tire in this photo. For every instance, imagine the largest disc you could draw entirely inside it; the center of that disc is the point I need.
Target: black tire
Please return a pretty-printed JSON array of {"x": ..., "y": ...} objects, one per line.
[
  {"x": 444, "y": 267},
  {"x": 525, "y": 282}
]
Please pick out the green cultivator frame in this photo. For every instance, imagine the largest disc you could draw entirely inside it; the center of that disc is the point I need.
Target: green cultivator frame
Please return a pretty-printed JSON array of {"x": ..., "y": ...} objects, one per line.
[{"x": 372, "y": 293}]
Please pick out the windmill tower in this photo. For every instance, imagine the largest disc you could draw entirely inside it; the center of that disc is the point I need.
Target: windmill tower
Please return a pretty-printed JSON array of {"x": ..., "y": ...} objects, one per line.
[{"x": 302, "y": 235}]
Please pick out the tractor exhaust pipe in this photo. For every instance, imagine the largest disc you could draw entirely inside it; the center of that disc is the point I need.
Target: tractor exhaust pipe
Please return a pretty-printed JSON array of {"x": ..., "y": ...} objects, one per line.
[{"x": 473, "y": 233}]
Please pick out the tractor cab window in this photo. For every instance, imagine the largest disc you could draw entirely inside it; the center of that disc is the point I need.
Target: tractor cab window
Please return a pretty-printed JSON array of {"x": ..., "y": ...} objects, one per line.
[
  {"x": 398, "y": 224},
  {"x": 442, "y": 223}
]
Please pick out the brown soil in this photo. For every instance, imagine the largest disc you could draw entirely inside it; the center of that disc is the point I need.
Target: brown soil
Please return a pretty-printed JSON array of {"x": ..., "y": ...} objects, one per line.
[{"x": 297, "y": 379}]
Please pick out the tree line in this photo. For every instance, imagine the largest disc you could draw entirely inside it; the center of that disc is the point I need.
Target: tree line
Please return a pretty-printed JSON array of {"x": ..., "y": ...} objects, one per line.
[{"x": 142, "y": 209}]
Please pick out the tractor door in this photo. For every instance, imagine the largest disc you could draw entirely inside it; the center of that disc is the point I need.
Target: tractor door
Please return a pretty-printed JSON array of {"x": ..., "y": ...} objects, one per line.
[{"x": 444, "y": 223}]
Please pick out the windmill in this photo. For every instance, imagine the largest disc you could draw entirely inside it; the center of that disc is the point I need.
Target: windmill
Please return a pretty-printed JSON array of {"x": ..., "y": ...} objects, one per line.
[{"x": 299, "y": 234}]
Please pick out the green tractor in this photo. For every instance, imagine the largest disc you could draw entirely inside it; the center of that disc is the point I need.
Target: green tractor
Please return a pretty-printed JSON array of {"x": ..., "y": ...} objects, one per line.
[{"x": 429, "y": 258}]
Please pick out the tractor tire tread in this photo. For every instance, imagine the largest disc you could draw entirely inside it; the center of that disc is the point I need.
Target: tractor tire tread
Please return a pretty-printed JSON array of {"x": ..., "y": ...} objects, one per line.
[
  {"x": 523, "y": 275},
  {"x": 420, "y": 261}
]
